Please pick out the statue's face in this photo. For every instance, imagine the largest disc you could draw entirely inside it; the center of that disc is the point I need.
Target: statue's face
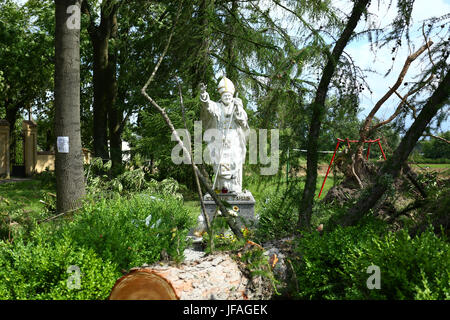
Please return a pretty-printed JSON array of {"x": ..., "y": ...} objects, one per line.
[{"x": 227, "y": 98}]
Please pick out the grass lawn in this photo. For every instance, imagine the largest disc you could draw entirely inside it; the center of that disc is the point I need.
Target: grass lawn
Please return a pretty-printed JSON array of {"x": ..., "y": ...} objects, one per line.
[
  {"x": 259, "y": 189},
  {"x": 23, "y": 195},
  {"x": 20, "y": 202},
  {"x": 442, "y": 169},
  {"x": 20, "y": 206},
  {"x": 432, "y": 165}
]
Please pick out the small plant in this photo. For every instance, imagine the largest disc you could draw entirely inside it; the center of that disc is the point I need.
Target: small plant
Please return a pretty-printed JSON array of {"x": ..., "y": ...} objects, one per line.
[{"x": 257, "y": 263}]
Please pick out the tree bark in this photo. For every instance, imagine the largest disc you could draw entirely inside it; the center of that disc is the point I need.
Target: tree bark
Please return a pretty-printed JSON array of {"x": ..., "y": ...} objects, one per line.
[
  {"x": 70, "y": 187},
  {"x": 100, "y": 46},
  {"x": 393, "y": 165},
  {"x": 115, "y": 115},
  {"x": 318, "y": 112},
  {"x": 230, "y": 45},
  {"x": 100, "y": 36}
]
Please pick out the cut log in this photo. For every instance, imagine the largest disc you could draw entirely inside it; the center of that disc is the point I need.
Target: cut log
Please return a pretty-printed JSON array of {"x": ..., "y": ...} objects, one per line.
[
  {"x": 212, "y": 277},
  {"x": 143, "y": 284},
  {"x": 220, "y": 276}
]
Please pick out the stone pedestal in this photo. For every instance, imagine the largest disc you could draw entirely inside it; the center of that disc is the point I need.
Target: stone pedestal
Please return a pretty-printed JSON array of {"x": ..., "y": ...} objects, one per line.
[
  {"x": 30, "y": 146},
  {"x": 243, "y": 203}
]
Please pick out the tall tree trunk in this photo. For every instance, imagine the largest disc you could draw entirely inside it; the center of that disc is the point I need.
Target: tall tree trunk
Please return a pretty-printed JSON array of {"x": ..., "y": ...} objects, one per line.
[
  {"x": 115, "y": 114},
  {"x": 100, "y": 46},
  {"x": 70, "y": 187},
  {"x": 102, "y": 78},
  {"x": 11, "y": 117},
  {"x": 392, "y": 166},
  {"x": 115, "y": 118},
  {"x": 318, "y": 112}
]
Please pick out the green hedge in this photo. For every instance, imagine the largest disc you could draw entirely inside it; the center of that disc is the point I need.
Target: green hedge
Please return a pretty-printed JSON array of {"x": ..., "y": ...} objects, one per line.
[
  {"x": 105, "y": 237},
  {"x": 40, "y": 271},
  {"x": 334, "y": 265}
]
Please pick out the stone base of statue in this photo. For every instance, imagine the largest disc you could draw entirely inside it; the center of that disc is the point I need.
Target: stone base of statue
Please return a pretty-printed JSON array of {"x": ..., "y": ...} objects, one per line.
[{"x": 242, "y": 203}]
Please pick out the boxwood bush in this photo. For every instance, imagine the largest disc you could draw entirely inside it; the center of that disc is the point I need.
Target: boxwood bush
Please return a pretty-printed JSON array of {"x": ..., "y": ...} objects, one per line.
[
  {"x": 335, "y": 265},
  {"x": 102, "y": 239},
  {"x": 39, "y": 270}
]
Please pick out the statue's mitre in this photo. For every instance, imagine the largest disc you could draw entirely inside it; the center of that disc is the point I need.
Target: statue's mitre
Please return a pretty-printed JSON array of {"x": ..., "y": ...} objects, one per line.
[{"x": 225, "y": 85}]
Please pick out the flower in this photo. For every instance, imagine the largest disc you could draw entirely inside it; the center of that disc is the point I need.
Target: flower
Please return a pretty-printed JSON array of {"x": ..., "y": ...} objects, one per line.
[
  {"x": 236, "y": 208},
  {"x": 232, "y": 213}
]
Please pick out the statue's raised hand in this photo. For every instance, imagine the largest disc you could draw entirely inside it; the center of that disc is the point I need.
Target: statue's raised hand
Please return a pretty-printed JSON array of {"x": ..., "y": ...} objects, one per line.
[
  {"x": 202, "y": 88},
  {"x": 203, "y": 93}
]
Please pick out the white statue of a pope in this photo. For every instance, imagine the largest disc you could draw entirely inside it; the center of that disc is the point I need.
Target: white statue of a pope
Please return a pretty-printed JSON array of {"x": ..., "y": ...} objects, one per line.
[{"x": 229, "y": 120}]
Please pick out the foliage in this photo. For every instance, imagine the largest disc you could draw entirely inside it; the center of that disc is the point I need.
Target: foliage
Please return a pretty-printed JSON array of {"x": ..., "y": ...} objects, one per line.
[
  {"x": 21, "y": 207},
  {"x": 433, "y": 210},
  {"x": 435, "y": 148},
  {"x": 132, "y": 232},
  {"x": 279, "y": 213},
  {"x": 100, "y": 183},
  {"x": 103, "y": 238},
  {"x": 257, "y": 264},
  {"x": 333, "y": 265},
  {"x": 26, "y": 53},
  {"x": 38, "y": 270}
]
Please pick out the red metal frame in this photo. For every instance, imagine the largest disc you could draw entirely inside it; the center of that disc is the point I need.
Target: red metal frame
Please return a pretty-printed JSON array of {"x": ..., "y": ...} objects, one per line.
[{"x": 348, "y": 144}]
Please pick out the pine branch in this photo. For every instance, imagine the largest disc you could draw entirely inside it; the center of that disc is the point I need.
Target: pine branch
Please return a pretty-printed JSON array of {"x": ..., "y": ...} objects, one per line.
[{"x": 392, "y": 90}]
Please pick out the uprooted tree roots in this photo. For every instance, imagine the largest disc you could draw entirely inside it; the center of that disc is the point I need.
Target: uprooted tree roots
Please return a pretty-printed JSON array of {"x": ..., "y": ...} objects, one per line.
[
  {"x": 408, "y": 198},
  {"x": 358, "y": 174}
]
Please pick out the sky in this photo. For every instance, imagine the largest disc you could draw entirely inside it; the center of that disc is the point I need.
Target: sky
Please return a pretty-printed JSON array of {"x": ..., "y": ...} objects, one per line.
[
  {"x": 382, "y": 12},
  {"x": 382, "y": 61},
  {"x": 379, "y": 84}
]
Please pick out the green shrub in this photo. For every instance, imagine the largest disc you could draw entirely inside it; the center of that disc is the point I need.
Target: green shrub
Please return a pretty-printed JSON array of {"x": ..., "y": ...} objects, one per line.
[
  {"x": 417, "y": 158},
  {"x": 47, "y": 179},
  {"x": 38, "y": 270},
  {"x": 278, "y": 214},
  {"x": 334, "y": 265},
  {"x": 132, "y": 232},
  {"x": 104, "y": 237}
]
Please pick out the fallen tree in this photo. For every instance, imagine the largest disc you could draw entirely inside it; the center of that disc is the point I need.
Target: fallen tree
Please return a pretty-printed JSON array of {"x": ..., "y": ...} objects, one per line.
[
  {"x": 392, "y": 167},
  {"x": 358, "y": 172},
  {"x": 245, "y": 274}
]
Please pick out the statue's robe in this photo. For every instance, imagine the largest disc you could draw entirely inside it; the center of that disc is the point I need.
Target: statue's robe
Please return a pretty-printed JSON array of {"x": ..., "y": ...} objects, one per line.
[{"x": 228, "y": 148}]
